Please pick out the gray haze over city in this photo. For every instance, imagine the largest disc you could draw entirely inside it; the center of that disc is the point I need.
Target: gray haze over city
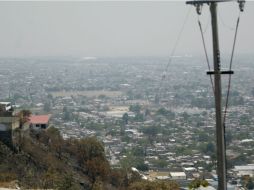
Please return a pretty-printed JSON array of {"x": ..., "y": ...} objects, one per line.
[
  {"x": 75, "y": 72},
  {"x": 115, "y": 28}
]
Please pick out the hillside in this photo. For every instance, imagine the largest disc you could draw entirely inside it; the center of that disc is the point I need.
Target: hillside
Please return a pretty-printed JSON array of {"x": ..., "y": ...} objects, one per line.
[{"x": 45, "y": 160}]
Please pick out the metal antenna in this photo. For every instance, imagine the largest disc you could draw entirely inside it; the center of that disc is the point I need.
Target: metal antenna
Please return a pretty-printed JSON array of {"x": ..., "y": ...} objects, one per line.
[{"x": 220, "y": 129}]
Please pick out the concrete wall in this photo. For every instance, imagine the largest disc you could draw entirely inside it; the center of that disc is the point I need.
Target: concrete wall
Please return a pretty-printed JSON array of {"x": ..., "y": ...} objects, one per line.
[
  {"x": 39, "y": 126},
  {"x": 7, "y": 125},
  {"x": 6, "y": 137}
]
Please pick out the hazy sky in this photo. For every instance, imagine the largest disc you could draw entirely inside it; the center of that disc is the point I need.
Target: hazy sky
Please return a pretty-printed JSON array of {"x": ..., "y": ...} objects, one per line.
[{"x": 116, "y": 28}]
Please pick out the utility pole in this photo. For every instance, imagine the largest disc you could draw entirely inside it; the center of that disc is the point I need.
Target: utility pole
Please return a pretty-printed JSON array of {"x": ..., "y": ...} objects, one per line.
[
  {"x": 220, "y": 128},
  {"x": 220, "y": 131}
]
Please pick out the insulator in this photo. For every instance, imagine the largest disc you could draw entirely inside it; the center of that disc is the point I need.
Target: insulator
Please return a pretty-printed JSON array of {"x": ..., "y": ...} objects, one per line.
[
  {"x": 199, "y": 8},
  {"x": 241, "y": 5}
]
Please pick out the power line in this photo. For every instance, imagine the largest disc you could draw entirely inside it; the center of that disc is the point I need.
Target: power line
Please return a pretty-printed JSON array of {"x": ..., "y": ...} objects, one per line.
[
  {"x": 224, "y": 23},
  {"x": 206, "y": 54},
  {"x": 230, "y": 65},
  {"x": 206, "y": 27},
  {"x": 173, "y": 52},
  {"x": 230, "y": 68}
]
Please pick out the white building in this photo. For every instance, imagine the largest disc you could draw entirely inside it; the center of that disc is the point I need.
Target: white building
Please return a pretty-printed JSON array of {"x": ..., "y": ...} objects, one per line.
[
  {"x": 246, "y": 170},
  {"x": 177, "y": 175}
]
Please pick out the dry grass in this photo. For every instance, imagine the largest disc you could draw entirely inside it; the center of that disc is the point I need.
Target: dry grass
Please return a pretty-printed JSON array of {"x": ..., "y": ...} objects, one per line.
[{"x": 10, "y": 185}]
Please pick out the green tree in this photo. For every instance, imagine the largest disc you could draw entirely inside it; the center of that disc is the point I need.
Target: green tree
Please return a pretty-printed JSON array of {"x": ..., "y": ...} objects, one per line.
[
  {"x": 195, "y": 184},
  {"x": 125, "y": 118},
  {"x": 147, "y": 112},
  {"x": 139, "y": 117},
  {"x": 250, "y": 184},
  {"x": 151, "y": 132},
  {"x": 24, "y": 116},
  {"x": 47, "y": 107},
  {"x": 142, "y": 166},
  {"x": 244, "y": 120},
  {"x": 66, "y": 114},
  {"x": 229, "y": 137},
  {"x": 167, "y": 113},
  {"x": 210, "y": 148},
  {"x": 135, "y": 108},
  {"x": 247, "y": 182}
]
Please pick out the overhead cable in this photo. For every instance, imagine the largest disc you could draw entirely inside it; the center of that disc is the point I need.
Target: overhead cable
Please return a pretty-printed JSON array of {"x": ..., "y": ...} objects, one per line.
[
  {"x": 230, "y": 68},
  {"x": 173, "y": 51}
]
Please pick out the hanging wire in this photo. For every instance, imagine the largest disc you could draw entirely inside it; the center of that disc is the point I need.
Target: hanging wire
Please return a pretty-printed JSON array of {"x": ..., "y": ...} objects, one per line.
[
  {"x": 230, "y": 68},
  {"x": 178, "y": 38},
  {"x": 173, "y": 52},
  {"x": 229, "y": 80},
  {"x": 205, "y": 49},
  {"x": 207, "y": 25},
  {"x": 224, "y": 23}
]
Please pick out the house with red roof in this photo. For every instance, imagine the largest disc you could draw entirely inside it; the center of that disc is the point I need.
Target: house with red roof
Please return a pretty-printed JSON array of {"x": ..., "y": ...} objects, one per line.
[{"x": 39, "y": 121}]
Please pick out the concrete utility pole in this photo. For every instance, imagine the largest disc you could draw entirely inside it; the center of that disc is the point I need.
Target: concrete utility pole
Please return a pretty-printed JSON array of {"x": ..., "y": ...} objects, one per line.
[
  {"x": 220, "y": 131},
  {"x": 220, "y": 128}
]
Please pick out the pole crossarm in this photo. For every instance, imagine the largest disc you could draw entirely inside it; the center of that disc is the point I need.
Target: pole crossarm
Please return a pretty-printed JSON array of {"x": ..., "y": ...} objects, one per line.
[
  {"x": 199, "y": 3},
  {"x": 230, "y": 72},
  {"x": 193, "y": 2}
]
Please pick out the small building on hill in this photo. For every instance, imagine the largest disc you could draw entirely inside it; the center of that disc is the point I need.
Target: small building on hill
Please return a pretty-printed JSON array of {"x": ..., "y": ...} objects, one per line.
[
  {"x": 39, "y": 121},
  {"x": 8, "y": 123}
]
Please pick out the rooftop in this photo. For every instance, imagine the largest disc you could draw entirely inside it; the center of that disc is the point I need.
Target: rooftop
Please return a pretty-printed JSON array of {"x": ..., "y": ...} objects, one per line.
[
  {"x": 39, "y": 119},
  {"x": 177, "y": 174},
  {"x": 245, "y": 167}
]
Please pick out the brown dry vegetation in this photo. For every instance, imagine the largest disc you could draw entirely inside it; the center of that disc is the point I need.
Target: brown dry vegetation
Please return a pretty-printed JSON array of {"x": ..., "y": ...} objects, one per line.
[{"x": 44, "y": 160}]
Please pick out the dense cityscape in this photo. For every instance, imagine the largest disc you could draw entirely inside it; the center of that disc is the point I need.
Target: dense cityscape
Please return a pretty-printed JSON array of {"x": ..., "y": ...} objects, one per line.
[{"x": 159, "y": 122}]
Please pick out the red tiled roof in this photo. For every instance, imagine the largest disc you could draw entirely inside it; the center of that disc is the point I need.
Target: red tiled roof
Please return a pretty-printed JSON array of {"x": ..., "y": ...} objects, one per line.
[{"x": 39, "y": 119}]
